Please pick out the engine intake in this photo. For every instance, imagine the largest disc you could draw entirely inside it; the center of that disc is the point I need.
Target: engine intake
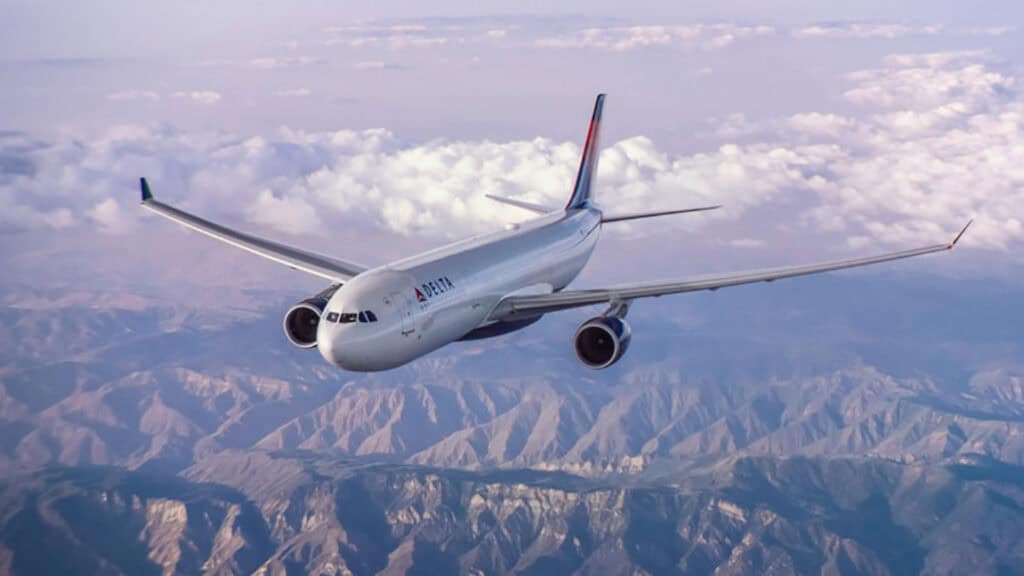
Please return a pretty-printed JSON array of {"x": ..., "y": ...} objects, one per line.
[
  {"x": 601, "y": 341},
  {"x": 302, "y": 320}
]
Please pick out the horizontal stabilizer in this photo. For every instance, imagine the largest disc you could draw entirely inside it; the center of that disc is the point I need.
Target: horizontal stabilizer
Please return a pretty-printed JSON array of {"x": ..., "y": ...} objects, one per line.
[
  {"x": 538, "y": 208},
  {"x": 638, "y": 215}
]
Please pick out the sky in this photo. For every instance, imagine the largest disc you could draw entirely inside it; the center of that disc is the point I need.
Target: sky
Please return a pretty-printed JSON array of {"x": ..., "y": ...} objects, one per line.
[{"x": 374, "y": 130}]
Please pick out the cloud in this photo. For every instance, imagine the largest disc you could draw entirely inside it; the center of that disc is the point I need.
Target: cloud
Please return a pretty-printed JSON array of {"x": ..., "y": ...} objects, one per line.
[
  {"x": 375, "y": 65},
  {"x": 623, "y": 38},
  {"x": 20, "y": 215},
  {"x": 263, "y": 62},
  {"x": 927, "y": 81},
  {"x": 294, "y": 93},
  {"x": 21, "y": 161},
  {"x": 305, "y": 182},
  {"x": 746, "y": 243},
  {"x": 291, "y": 214},
  {"x": 133, "y": 95},
  {"x": 392, "y": 37},
  {"x": 200, "y": 96},
  {"x": 399, "y": 41},
  {"x": 933, "y": 139},
  {"x": 814, "y": 123},
  {"x": 110, "y": 218},
  {"x": 865, "y": 30},
  {"x": 943, "y": 140},
  {"x": 990, "y": 31},
  {"x": 889, "y": 31},
  {"x": 271, "y": 63},
  {"x": 734, "y": 126}
]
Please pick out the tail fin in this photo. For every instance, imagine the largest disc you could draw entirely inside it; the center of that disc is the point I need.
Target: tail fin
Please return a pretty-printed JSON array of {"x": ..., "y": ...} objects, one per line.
[{"x": 588, "y": 164}]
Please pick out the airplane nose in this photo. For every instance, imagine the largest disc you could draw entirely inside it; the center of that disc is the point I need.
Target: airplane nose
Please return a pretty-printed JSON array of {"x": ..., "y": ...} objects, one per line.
[{"x": 327, "y": 344}]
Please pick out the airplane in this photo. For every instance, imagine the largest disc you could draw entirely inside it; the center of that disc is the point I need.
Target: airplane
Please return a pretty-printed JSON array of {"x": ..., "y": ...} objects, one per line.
[{"x": 379, "y": 318}]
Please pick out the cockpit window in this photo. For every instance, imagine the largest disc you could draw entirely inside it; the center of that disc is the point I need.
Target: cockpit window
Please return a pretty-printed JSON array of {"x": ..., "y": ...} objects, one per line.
[{"x": 362, "y": 317}]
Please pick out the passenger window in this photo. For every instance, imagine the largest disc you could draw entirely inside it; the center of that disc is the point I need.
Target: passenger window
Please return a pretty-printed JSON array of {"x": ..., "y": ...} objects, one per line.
[
  {"x": 348, "y": 317},
  {"x": 370, "y": 316},
  {"x": 362, "y": 317},
  {"x": 332, "y": 317}
]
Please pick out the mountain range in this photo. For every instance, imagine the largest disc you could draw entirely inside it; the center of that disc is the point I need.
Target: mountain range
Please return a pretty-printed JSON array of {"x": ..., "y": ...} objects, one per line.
[{"x": 840, "y": 427}]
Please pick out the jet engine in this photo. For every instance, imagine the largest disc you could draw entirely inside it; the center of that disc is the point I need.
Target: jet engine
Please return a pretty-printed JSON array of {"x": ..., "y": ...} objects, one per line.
[
  {"x": 601, "y": 341},
  {"x": 302, "y": 319}
]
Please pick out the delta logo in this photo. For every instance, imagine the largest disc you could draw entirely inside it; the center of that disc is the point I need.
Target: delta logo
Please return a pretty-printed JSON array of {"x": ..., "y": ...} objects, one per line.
[{"x": 433, "y": 288}]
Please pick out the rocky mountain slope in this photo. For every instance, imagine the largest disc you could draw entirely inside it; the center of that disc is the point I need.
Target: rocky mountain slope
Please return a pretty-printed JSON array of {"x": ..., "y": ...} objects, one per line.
[
  {"x": 143, "y": 395},
  {"x": 139, "y": 437},
  {"x": 306, "y": 515}
]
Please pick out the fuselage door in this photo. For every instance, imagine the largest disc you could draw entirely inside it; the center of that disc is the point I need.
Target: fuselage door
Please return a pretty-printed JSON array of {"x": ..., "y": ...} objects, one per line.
[{"x": 401, "y": 305}]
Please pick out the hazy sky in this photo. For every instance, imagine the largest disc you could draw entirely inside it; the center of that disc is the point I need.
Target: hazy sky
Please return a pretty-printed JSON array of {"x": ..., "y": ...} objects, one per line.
[{"x": 373, "y": 129}]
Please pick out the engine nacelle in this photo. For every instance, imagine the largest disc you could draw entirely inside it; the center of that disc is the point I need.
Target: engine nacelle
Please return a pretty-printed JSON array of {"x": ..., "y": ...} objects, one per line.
[
  {"x": 601, "y": 341},
  {"x": 301, "y": 321}
]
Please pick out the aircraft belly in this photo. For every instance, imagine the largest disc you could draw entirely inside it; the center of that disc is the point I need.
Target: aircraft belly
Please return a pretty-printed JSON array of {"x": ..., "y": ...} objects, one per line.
[{"x": 436, "y": 328}]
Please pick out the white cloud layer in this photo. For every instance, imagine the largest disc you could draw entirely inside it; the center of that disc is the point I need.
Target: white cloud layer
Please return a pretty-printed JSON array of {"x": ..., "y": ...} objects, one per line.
[
  {"x": 889, "y": 31},
  {"x": 943, "y": 141},
  {"x": 110, "y": 217},
  {"x": 200, "y": 96},
  {"x": 939, "y": 138},
  {"x": 392, "y": 37},
  {"x": 276, "y": 62},
  {"x": 623, "y": 38},
  {"x": 865, "y": 30}
]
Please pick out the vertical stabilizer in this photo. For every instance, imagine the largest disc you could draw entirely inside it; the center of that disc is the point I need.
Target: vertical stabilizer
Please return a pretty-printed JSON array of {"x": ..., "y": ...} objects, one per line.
[{"x": 588, "y": 164}]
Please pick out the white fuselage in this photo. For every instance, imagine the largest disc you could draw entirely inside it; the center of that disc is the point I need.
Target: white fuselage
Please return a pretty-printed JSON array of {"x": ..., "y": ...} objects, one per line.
[{"x": 424, "y": 302}]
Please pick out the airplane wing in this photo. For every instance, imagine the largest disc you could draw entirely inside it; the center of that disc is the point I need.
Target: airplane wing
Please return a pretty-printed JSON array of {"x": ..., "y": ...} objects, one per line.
[
  {"x": 309, "y": 262},
  {"x": 522, "y": 306}
]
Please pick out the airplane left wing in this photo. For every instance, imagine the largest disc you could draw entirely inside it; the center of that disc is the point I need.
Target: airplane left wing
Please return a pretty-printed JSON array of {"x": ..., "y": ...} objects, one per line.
[
  {"x": 523, "y": 306},
  {"x": 309, "y": 262}
]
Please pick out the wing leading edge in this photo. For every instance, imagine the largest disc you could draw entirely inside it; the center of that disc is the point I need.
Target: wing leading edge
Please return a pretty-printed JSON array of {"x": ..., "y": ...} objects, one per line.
[
  {"x": 309, "y": 262},
  {"x": 531, "y": 305}
]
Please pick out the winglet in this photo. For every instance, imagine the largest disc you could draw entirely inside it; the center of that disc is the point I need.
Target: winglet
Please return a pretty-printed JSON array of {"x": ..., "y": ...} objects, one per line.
[
  {"x": 957, "y": 239},
  {"x": 146, "y": 194}
]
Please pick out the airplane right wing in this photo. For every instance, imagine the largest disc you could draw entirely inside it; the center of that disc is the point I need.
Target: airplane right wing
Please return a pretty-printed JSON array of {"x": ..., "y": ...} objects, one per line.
[
  {"x": 523, "y": 306},
  {"x": 309, "y": 262}
]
